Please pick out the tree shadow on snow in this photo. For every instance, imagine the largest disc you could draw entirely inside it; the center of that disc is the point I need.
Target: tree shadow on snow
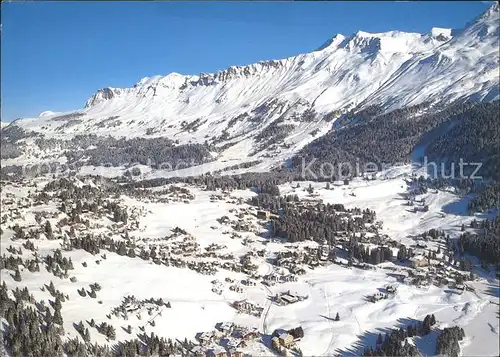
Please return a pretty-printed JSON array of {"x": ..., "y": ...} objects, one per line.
[
  {"x": 327, "y": 317},
  {"x": 365, "y": 340},
  {"x": 426, "y": 344},
  {"x": 458, "y": 207},
  {"x": 494, "y": 291}
]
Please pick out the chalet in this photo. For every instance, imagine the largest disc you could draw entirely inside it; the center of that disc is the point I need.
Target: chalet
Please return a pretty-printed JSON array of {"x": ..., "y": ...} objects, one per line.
[
  {"x": 324, "y": 253},
  {"x": 275, "y": 342},
  {"x": 118, "y": 225},
  {"x": 205, "y": 338},
  {"x": 313, "y": 263},
  {"x": 236, "y": 288},
  {"x": 418, "y": 261},
  {"x": 198, "y": 351},
  {"x": 376, "y": 297},
  {"x": 288, "y": 278},
  {"x": 287, "y": 298},
  {"x": 308, "y": 201},
  {"x": 217, "y": 351},
  {"x": 80, "y": 226},
  {"x": 295, "y": 269},
  {"x": 271, "y": 278},
  {"x": 234, "y": 343},
  {"x": 286, "y": 340},
  {"x": 235, "y": 353},
  {"x": 248, "y": 282},
  {"x": 391, "y": 289},
  {"x": 262, "y": 214},
  {"x": 225, "y": 327},
  {"x": 242, "y": 305},
  {"x": 251, "y": 334}
]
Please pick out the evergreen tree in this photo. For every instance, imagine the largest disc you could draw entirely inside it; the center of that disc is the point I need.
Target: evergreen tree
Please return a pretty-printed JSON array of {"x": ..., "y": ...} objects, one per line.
[
  {"x": 379, "y": 339},
  {"x": 17, "y": 275},
  {"x": 433, "y": 320},
  {"x": 48, "y": 230},
  {"x": 57, "y": 311},
  {"x": 58, "y": 317},
  {"x": 426, "y": 328}
]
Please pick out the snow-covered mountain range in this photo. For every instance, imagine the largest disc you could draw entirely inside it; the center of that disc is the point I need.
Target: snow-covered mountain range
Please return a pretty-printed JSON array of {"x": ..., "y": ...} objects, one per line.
[{"x": 297, "y": 96}]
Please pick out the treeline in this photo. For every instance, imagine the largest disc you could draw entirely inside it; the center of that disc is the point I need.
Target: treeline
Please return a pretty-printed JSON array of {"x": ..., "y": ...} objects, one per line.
[
  {"x": 12, "y": 262},
  {"x": 155, "y": 152},
  {"x": 243, "y": 165},
  {"x": 485, "y": 244},
  {"x": 320, "y": 222},
  {"x": 447, "y": 343},
  {"x": 487, "y": 198},
  {"x": 475, "y": 137},
  {"x": 33, "y": 330},
  {"x": 395, "y": 343},
  {"x": 270, "y": 202},
  {"x": 369, "y": 137},
  {"x": 373, "y": 256},
  {"x": 357, "y": 138},
  {"x": 272, "y": 135},
  {"x": 104, "y": 186},
  {"x": 463, "y": 186},
  {"x": 216, "y": 182},
  {"x": 10, "y": 141},
  {"x": 30, "y": 331},
  {"x": 96, "y": 150}
]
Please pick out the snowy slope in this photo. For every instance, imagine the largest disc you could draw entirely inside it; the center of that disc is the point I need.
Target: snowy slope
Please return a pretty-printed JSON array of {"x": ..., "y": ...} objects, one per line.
[{"x": 392, "y": 69}]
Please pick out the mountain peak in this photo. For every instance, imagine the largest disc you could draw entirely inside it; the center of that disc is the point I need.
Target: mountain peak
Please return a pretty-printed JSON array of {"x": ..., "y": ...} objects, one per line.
[
  {"x": 441, "y": 33},
  {"x": 484, "y": 26},
  {"x": 385, "y": 42},
  {"x": 46, "y": 113},
  {"x": 102, "y": 95},
  {"x": 493, "y": 10},
  {"x": 363, "y": 59},
  {"x": 172, "y": 80},
  {"x": 333, "y": 42}
]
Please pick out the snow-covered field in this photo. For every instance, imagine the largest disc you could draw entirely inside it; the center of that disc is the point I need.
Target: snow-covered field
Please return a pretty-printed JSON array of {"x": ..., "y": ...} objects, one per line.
[
  {"x": 446, "y": 210},
  {"x": 331, "y": 289}
]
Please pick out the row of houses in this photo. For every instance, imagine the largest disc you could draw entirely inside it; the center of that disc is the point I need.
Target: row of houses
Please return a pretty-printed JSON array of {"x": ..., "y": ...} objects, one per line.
[
  {"x": 246, "y": 307},
  {"x": 273, "y": 278}
]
